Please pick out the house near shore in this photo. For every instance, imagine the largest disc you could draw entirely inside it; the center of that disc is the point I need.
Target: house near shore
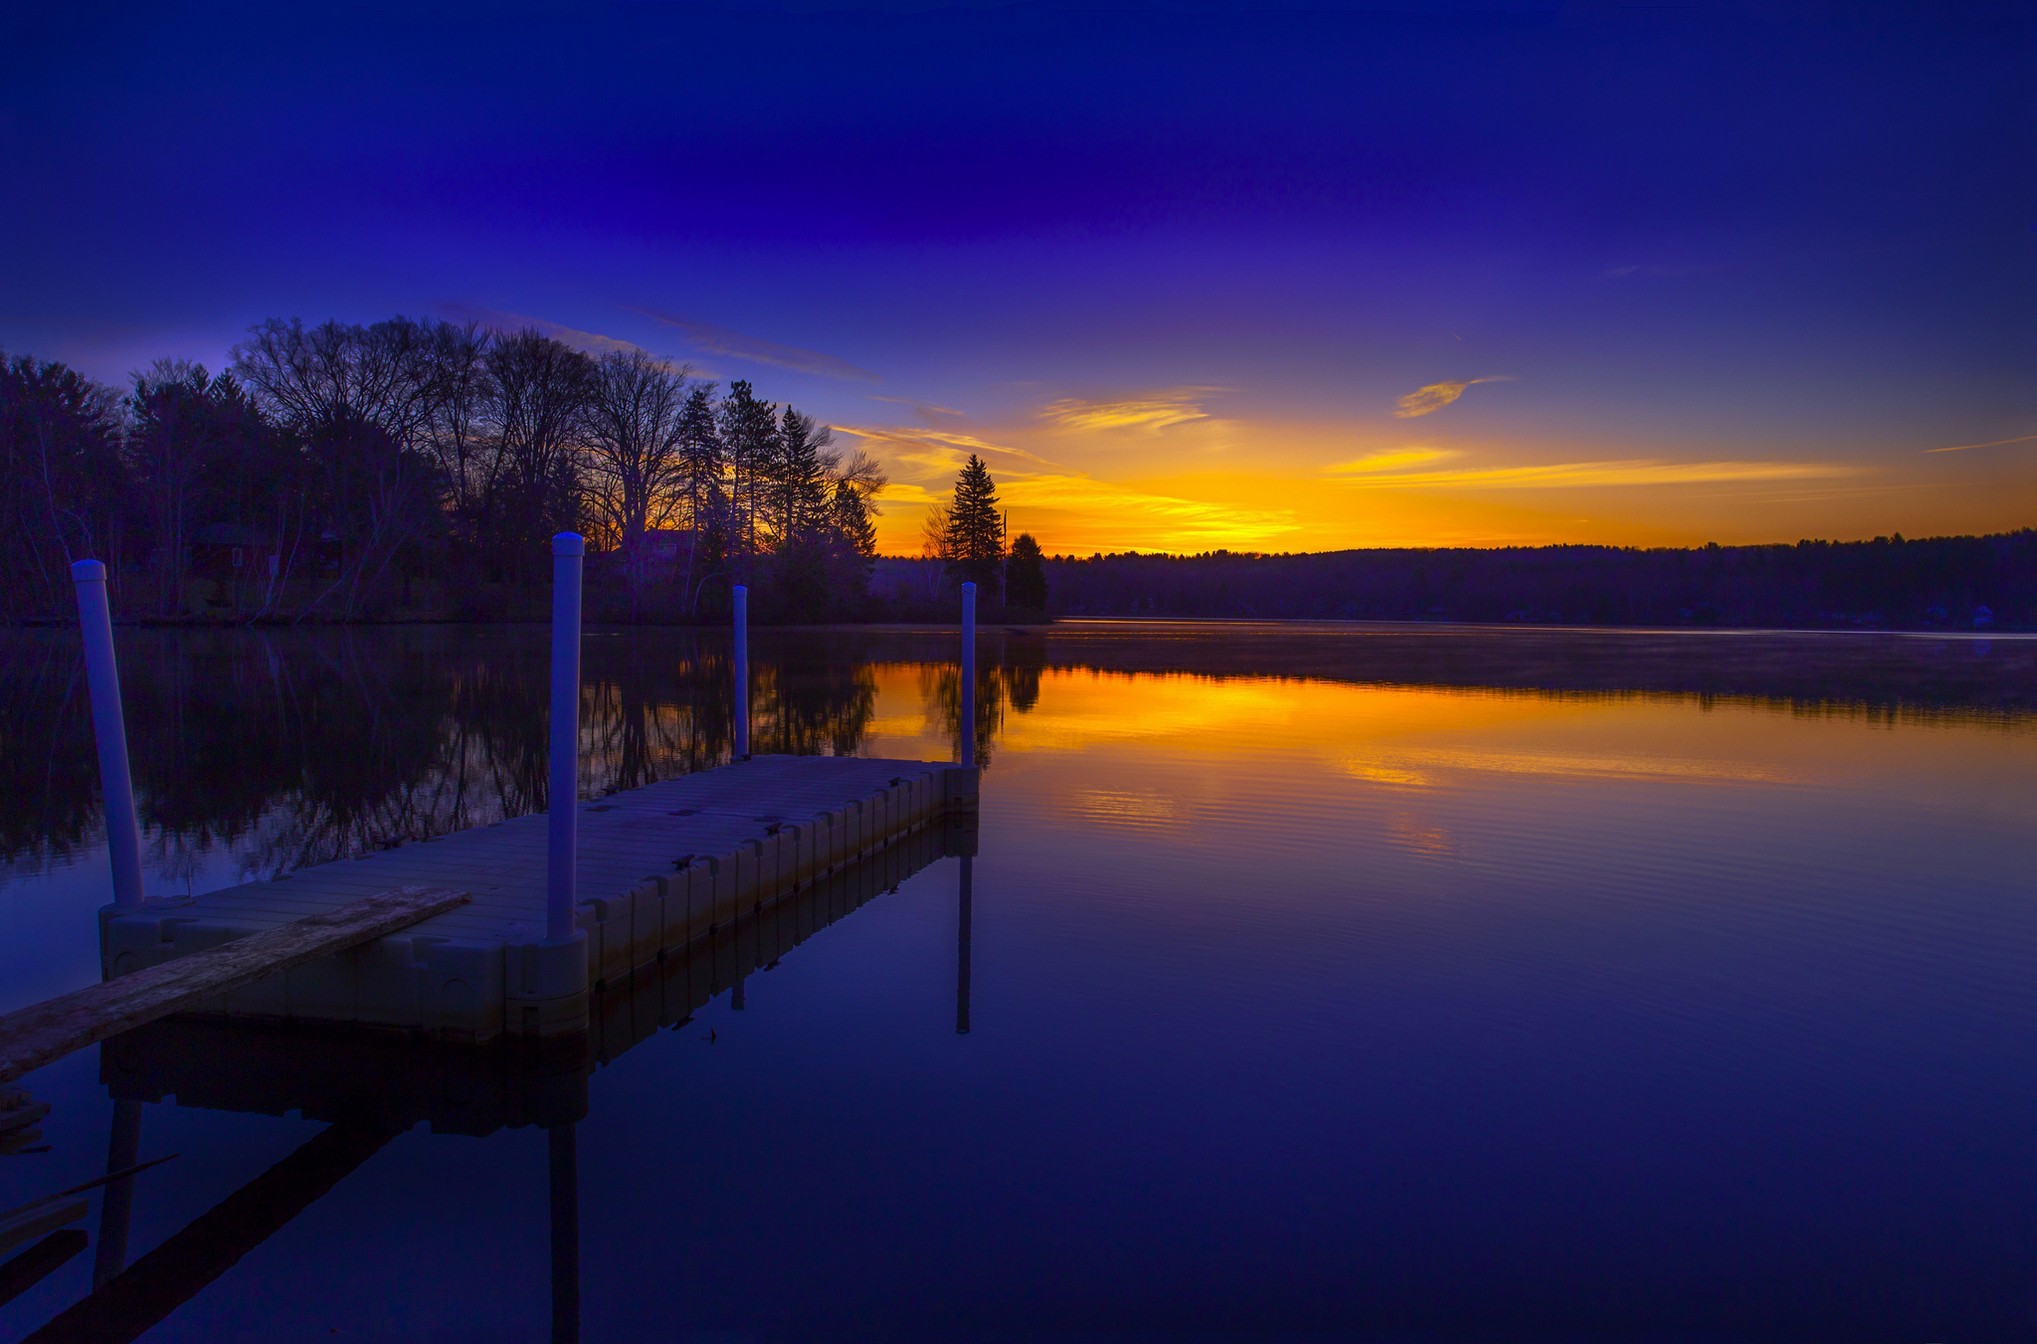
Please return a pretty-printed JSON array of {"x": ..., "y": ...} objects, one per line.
[
  {"x": 228, "y": 552},
  {"x": 662, "y": 553}
]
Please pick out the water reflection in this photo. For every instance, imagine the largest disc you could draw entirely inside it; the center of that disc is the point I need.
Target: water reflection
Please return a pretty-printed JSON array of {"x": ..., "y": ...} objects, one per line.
[
  {"x": 371, "y": 1087},
  {"x": 1686, "y": 972},
  {"x": 287, "y": 749},
  {"x": 256, "y": 752}
]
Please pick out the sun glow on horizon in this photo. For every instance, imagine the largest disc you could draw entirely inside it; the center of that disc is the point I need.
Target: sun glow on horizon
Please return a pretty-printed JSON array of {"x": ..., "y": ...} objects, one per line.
[{"x": 1177, "y": 472}]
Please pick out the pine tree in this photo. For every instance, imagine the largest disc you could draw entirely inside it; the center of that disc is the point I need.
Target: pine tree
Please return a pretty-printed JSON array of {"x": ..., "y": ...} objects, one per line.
[
  {"x": 749, "y": 439},
  {"x": 1025, "y": 575},
  {"x": 851, "y": 518},
  {"x": 975, "y": 535},
  {"x": 798, "y": 491}
]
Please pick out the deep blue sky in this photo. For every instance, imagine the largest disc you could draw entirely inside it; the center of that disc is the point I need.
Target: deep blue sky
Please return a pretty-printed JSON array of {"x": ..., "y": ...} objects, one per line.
[{"x": 1170, "y": 268}]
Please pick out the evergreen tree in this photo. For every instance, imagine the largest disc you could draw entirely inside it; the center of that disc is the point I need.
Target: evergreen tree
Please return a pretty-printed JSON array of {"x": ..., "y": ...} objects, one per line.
[
  {"x": 749, "y": 440},
  {"x": 703, "y": 472},
  {"x": 974, "y": 546},
  {"x": 1025, "y": 575},
  {"x": 852, "y": 522},
  {"x": 798, "y": 492}
]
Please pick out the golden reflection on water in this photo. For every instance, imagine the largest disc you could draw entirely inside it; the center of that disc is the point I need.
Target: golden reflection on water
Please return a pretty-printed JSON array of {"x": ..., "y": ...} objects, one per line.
[{"x": 1146, "y": 751}]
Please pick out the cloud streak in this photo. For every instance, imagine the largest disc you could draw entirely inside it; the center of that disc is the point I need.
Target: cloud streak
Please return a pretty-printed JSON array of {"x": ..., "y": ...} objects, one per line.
[
  {"x": 750, "y": 349},
  {"x": 938, "y": 449},
  {"x": 1153, "y": 412},
  {"x": 1434, "y": 397},
  {"x": 1084, "y": 512},
  {"x": 587, "y": 342},
  {"x": 1114, "y": 516},
  {"x": 1568, "y": 475},
  {"x": 1992, "y": 443},
  {"x": 1390, "y": 459},
  {"x": 931, "y": 412}
]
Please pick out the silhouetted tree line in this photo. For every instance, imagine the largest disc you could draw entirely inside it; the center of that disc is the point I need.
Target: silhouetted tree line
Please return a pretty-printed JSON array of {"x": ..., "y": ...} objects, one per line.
[
  {"x": 333, "y": 468},
  {"x": 1940, "y": 582}
]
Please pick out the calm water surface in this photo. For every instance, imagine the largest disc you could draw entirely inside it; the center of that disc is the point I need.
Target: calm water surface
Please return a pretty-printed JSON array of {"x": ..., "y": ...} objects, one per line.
[{"x": 1321, "y": 983}]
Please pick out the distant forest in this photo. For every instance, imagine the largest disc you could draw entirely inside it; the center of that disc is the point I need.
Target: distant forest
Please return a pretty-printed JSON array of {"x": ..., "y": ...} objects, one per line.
[
  {"x": 1963, "y": 583},
  {"x": 412, "y": 469}
]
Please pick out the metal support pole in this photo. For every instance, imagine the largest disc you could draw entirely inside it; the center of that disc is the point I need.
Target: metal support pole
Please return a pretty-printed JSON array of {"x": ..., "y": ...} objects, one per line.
[
  {"x": 102, "y": 675},
  {"x": 968, "y": 674},
  {"x": 565, "y": 1236},
  {"x": 742, "y": 671},
  {"x": 116, "y": 1202},
  {"x": 962, "y": 952},
  {"x": 563, "y": 792}
]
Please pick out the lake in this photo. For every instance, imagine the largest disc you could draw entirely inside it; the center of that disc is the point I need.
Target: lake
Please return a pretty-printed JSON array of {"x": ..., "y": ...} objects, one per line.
[{"x": 1319, "y": 982}]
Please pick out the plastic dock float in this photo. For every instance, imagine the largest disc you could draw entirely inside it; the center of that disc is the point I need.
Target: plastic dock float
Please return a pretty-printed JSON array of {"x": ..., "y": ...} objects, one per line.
[
  {"x": 658, "y": 869},
  {"x": 333, "y": 1072}
]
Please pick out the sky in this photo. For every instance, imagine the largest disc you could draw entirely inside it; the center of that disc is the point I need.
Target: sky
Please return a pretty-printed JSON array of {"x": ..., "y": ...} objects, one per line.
[{"x": 1187, "y": 277}]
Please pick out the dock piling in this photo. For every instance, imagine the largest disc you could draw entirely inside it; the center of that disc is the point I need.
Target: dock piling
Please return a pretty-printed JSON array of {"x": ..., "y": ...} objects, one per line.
[
  {"x": 563, "y": 792},
  {"x": 116, "y": 1204},
  {"x": 968, "y": 675},
  {"x": 109, "y": 728},
  {"x": 962, "y": 949},
  {"x": 565, "y": 1193},
  {"x": 742, "y": 671}
]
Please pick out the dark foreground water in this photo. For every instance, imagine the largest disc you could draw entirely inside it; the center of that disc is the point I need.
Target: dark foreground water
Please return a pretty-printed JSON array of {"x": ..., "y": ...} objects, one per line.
[{"x": 1321, "y": 984}]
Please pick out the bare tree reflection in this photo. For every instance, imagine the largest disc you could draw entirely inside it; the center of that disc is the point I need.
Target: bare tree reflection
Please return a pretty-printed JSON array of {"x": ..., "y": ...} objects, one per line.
[{"x": 283, "y": 749}]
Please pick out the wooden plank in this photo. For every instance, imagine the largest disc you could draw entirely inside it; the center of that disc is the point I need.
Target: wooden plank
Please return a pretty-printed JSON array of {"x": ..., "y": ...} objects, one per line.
[
  {"x": 25, "y": 1225},
  {"x": 32, "y": 1037}
]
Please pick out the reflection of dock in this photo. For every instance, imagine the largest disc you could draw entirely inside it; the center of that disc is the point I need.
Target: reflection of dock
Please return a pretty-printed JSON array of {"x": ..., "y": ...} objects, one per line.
[
  {"x": 658, "y": 869},
  {"x": 370, "y": 1086}
]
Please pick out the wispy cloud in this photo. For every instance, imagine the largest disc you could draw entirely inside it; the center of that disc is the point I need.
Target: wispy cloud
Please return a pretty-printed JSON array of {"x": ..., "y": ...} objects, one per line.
[
  {"x": 734, "y": 345},
  {"x": 927, "y": 410},
  {"x": 1152, "y": 412},
  {"x": 1993, "y": 443},
  {"x": 589, "y": 342},
  {"x": 1084, "y": 512},
  {"x": 1428, "y": 400},
  {"x": 937, "y": 449},
  {"x": 1116, "y": 516},
  {"x": 1564, "y": 475},
  {"x": 1390, "y": 459}
]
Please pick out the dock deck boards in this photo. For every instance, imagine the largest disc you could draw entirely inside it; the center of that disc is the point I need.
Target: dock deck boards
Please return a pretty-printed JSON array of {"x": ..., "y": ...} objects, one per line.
[{"x": 658, "y": 867}]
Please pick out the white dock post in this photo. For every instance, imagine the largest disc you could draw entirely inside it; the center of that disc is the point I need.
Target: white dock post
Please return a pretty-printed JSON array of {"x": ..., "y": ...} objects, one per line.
[
  {"x": 742, "y": 671},
  {"x": 562, "y": 795},
  {"x": 109, "y": 728},
  {"x": 968, "y": 674}
]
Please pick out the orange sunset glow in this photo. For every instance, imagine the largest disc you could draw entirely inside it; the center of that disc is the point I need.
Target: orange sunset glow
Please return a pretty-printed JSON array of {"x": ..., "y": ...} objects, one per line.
[{"x": 1172, "y": 472}]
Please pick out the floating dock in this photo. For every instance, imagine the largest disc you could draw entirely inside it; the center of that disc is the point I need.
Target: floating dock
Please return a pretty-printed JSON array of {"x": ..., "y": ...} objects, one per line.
[
  {"x": 262, "y": 1067},
  {"x": 658, "y": 869}
]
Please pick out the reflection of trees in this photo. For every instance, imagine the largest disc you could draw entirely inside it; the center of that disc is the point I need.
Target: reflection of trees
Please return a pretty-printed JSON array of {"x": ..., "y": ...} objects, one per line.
[
  {"x": 1007, "y": 677},
  {"x": 295, "y": 747},
  {"x": 806, "y": 702},
  {"x": 50, "y": 801}
]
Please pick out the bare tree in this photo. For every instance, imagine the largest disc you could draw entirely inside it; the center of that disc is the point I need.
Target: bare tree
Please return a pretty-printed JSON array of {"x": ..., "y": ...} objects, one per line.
[
  {"x": 458, "y": 393},
  {"x": 634, "y": 432},
  {"x": 359, "y": 398},
  {"x": 542, "y": 390}
]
